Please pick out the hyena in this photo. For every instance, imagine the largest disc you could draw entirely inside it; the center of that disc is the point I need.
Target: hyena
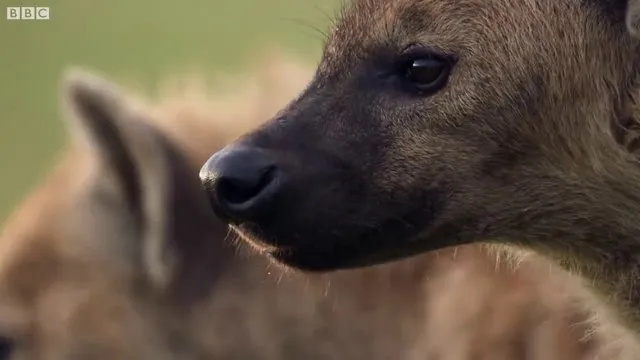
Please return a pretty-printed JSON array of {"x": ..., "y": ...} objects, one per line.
[
  {"x": 435, "y": 123},
  {"x": 117, "y": 256}
]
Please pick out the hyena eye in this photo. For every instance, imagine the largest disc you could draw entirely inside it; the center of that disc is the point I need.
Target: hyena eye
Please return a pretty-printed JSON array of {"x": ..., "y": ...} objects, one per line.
[
  {"x": 426, "y": 73},
  {"x": 6, "y": 348}
]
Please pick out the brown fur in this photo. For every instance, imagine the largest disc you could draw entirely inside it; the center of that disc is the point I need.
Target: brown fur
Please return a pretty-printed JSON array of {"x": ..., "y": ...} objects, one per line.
[
  {"x": 519, "y": 144},
  {"x": 81, "y": 277}
]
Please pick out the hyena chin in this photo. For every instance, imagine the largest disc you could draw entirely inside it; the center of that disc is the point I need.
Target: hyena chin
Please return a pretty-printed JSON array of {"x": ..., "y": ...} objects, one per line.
[{"x": 432, "y": 123}]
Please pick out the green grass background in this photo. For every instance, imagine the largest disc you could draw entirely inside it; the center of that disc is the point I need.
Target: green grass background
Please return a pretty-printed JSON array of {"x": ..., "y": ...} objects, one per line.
[{"x": 139, "y": 39}]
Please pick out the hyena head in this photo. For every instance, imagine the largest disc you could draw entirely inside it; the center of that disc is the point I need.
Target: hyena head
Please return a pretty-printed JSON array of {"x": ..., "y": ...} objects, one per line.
[
  {"x": 101, "y": 259},
  {"x": 431, "y": 123}
]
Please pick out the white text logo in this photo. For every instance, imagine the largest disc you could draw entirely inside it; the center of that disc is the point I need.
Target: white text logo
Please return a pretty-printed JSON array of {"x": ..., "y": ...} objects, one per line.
[{"x": 27, "y": 13}]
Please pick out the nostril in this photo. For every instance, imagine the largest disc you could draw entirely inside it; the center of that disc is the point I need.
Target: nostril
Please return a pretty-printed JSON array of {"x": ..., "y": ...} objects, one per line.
[
  {"x": 233, "y": 191},
  {"x": 238, "y": 191},
  {"x": 241, "y": 182}
]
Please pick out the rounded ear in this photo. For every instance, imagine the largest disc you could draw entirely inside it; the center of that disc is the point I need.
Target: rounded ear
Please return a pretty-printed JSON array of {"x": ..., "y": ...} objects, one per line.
[
  {"x": 158, "y": 195},
  {"x": 632, "y": 18}
]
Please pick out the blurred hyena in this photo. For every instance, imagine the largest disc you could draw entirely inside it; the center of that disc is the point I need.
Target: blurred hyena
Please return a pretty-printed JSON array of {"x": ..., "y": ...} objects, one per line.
[{"x": 117, "y": 256}]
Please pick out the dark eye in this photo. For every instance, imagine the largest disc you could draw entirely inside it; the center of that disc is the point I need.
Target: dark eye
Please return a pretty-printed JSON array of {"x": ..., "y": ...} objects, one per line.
[
  {"x": 6, "y": 347},
  {"x": 426, "y": 73}
]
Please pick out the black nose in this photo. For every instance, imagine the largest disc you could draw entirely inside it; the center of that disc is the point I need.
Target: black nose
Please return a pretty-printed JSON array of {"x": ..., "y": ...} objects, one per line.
[{"x": 240, "y": 182}]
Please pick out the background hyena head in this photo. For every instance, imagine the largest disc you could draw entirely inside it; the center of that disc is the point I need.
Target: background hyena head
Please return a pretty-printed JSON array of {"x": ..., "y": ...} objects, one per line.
[
  {"x": 434, "y": 119},
  {"x": 109, "y": 256},
  {"x": 94, "y": 260}
]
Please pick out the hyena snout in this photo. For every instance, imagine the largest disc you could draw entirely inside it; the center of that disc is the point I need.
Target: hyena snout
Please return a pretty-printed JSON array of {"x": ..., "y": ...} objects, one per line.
[{"x": 241, "y": 182}]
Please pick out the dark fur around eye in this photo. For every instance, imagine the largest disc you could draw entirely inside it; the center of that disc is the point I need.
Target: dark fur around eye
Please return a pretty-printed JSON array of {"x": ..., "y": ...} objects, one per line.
[{"x": 424, "y": 71}]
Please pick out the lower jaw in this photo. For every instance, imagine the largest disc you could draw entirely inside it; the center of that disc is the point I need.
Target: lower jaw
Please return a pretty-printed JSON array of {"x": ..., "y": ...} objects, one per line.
[
  {"x": 249, "y": 237},
  {"x": 320, "y": 261},
  {"x": 361, "y": 253},
  {"x": 315, "y": 263},
  {"x": 323, "y": 260}
]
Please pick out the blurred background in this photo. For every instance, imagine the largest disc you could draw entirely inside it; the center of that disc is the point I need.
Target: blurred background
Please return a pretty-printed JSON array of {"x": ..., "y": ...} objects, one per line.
[{"x": 140, "y": 40}]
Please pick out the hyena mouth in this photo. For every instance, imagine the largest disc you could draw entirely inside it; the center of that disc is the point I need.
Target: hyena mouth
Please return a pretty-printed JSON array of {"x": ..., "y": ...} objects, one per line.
[
  {"x": 317, "y": 255},
  {"x": 364, "y": 253},
  {"x": 324, "y": 245},
  {"x": 391, "y": 243},
  {"x": 322, "y": 259}
]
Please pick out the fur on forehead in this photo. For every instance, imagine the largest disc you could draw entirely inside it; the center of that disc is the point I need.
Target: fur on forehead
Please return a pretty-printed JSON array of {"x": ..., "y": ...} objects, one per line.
[{"x": 389, "y": 15}]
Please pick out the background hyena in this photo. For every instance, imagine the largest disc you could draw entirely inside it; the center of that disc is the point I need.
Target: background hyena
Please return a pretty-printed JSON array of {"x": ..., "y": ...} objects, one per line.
[
  {"x": 116, "y": 256},
  {"x": 446, "y": 122}
]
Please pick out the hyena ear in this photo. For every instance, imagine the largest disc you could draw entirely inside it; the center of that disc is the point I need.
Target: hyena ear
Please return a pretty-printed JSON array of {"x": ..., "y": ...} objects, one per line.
[
  {"x": 157, "y": 193},
  {"x": 632, "y": 18}
]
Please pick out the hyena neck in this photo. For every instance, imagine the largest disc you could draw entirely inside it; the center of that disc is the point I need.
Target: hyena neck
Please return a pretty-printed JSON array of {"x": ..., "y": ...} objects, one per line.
[{"x": 591, "y": 227}]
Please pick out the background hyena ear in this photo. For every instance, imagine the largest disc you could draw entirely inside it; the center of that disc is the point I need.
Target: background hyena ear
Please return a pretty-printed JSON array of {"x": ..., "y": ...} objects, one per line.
[
  {"x": 157, "y": 195},
  {"x": 632, "y": 18}
]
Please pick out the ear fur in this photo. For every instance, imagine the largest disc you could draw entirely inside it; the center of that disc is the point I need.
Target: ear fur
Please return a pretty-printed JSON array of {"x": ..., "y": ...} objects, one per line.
[{"x": 162, "y": 195}]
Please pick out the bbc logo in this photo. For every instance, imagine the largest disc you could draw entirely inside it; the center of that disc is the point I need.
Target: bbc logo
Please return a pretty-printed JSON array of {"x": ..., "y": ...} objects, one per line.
[{"x": 27, "y": 13}]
